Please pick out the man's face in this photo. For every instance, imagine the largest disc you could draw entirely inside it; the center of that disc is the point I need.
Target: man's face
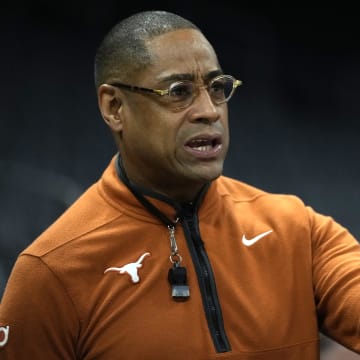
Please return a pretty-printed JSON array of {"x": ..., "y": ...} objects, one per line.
[{"x": 163, "y": 148}]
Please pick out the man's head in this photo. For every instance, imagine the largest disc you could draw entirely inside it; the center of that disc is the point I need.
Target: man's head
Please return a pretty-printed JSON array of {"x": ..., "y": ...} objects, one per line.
[{"x": 171, "y": 139}]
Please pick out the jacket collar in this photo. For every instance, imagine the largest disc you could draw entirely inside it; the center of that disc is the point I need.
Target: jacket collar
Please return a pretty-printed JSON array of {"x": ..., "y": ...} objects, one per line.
[{"x": 117, "y": 189}]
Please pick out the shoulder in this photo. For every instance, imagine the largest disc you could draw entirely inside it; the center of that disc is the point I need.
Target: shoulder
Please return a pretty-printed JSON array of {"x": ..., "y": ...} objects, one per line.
[
  {"x": 252, "y": 200},
  {"x": 92, "y": 212},
  {"x": 88, "y": 214},
  {"x": 239, "y": 191}
]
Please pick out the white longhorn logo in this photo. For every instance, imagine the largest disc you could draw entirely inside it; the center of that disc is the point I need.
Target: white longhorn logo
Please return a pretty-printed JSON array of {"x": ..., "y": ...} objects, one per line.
[
  {"x": 131, "y": 269},
  {"x": 4, "y": 339}
]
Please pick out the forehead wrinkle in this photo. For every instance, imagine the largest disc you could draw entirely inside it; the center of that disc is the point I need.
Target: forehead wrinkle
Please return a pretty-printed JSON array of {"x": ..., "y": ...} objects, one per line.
[
  {"x": 191, "y": 76},
  {"x": 177, "y": 77}
]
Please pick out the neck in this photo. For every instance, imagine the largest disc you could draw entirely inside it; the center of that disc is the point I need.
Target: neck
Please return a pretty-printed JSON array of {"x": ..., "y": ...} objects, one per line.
[
  {"x": 178, "y": 193},
  {"x": 181, "y": 191}
]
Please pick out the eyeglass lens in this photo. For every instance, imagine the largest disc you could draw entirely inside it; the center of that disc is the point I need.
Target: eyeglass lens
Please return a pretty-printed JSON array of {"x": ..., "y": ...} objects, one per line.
[
  {"x": 221, "y": 88},
  {"x": 183, "y": 92}
]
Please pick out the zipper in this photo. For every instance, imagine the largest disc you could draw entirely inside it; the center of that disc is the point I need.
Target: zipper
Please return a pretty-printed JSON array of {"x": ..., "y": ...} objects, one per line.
[{"x": 206, "y": 283}]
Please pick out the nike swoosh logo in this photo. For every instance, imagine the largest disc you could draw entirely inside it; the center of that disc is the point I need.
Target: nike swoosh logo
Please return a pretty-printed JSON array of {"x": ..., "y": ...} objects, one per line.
[{"x": 249, "y": 242}]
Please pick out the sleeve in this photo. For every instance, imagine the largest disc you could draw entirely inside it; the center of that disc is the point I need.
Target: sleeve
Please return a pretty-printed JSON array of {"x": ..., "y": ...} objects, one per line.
[
  {"x": 336, "y": 274},
  {"x": 37, "y": 317}
]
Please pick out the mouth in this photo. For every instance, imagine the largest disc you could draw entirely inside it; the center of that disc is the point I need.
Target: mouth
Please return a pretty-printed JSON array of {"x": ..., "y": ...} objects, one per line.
[{"x": 204, "y": 146}]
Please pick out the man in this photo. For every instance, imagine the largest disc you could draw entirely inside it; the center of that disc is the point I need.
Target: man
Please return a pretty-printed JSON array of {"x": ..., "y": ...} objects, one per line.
[{"x": 165, "y": 258}]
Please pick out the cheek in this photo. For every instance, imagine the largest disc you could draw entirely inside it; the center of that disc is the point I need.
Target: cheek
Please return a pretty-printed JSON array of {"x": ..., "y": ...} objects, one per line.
[
  {"x": 153, "y": 124},
  {"x": 225, "y": 121},
  {"x": 151, "y": 135}
]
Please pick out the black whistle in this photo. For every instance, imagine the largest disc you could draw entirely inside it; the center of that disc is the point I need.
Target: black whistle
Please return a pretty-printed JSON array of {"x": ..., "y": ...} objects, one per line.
[{"x": 177, "y": 278}]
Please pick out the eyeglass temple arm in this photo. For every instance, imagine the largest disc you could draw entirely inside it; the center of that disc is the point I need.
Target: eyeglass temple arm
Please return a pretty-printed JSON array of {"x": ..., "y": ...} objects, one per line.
[{"x": 138, "y": 88}]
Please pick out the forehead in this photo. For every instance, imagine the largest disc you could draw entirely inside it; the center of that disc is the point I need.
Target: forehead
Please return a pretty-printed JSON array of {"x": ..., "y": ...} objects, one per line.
[{"x": 184, "y": 51}]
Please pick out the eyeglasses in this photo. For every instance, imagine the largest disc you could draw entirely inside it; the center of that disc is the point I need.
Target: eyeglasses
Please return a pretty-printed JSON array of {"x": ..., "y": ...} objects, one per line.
[{"x": 181, "y": 94}]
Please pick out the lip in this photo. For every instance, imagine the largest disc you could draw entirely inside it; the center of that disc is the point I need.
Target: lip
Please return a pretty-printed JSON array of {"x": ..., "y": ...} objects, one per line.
[{"x": 204, "y": 146}]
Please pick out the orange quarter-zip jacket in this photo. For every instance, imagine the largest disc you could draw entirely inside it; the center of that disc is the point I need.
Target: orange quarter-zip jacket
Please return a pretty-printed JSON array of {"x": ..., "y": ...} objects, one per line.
[{"x": 265, "y": 273}]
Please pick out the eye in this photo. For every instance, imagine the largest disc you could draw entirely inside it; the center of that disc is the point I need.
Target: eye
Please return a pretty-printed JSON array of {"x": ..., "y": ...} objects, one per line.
[
  {"x": 217, "y": 87},
  {"x": 221, "y": 88},
  {"x": 181, "y": 91}
]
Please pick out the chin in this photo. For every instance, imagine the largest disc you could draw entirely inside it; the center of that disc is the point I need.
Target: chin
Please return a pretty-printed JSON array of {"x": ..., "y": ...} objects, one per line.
[
  {"x": 209, "y": 175},
  {"x": 200, "y": 172}
]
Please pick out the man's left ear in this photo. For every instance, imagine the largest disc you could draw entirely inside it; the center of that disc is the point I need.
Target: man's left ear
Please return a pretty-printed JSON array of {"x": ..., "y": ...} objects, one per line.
[{"x": 110, "y": 105}]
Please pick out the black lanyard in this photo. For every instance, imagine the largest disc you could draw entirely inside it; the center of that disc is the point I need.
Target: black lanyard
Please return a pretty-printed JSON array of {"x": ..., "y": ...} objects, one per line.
[{"x": 177, "y": 274}]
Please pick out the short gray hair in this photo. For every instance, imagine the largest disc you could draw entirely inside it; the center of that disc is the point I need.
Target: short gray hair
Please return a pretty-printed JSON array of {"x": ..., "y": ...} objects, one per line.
[{"x": 123, "y": 50}]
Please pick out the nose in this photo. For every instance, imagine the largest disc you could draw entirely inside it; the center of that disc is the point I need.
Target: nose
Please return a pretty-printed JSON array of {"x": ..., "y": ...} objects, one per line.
[{"x": 204, "y": 108}]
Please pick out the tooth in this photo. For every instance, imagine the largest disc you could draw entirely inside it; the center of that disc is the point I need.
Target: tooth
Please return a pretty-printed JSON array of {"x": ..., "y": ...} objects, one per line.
[{"x": 203, "y": 148}]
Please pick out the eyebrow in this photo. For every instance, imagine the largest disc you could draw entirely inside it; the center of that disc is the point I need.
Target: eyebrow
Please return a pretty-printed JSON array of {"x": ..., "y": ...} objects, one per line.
[
  {"x": 190, "y": 77},
  {"x": 213, "y": 74}
]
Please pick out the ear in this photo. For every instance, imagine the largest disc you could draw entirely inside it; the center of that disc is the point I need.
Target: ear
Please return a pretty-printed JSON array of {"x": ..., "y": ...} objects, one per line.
[{"x": 110, "y": 105}]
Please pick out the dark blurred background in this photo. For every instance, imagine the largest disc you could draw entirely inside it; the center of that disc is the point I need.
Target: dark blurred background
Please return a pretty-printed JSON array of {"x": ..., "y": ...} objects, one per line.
[{"x": 295, "y": 122}]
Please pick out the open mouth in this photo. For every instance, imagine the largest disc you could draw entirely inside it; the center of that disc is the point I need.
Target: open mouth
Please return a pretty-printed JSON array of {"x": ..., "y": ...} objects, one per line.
[{"x": 204, "y": 146}]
